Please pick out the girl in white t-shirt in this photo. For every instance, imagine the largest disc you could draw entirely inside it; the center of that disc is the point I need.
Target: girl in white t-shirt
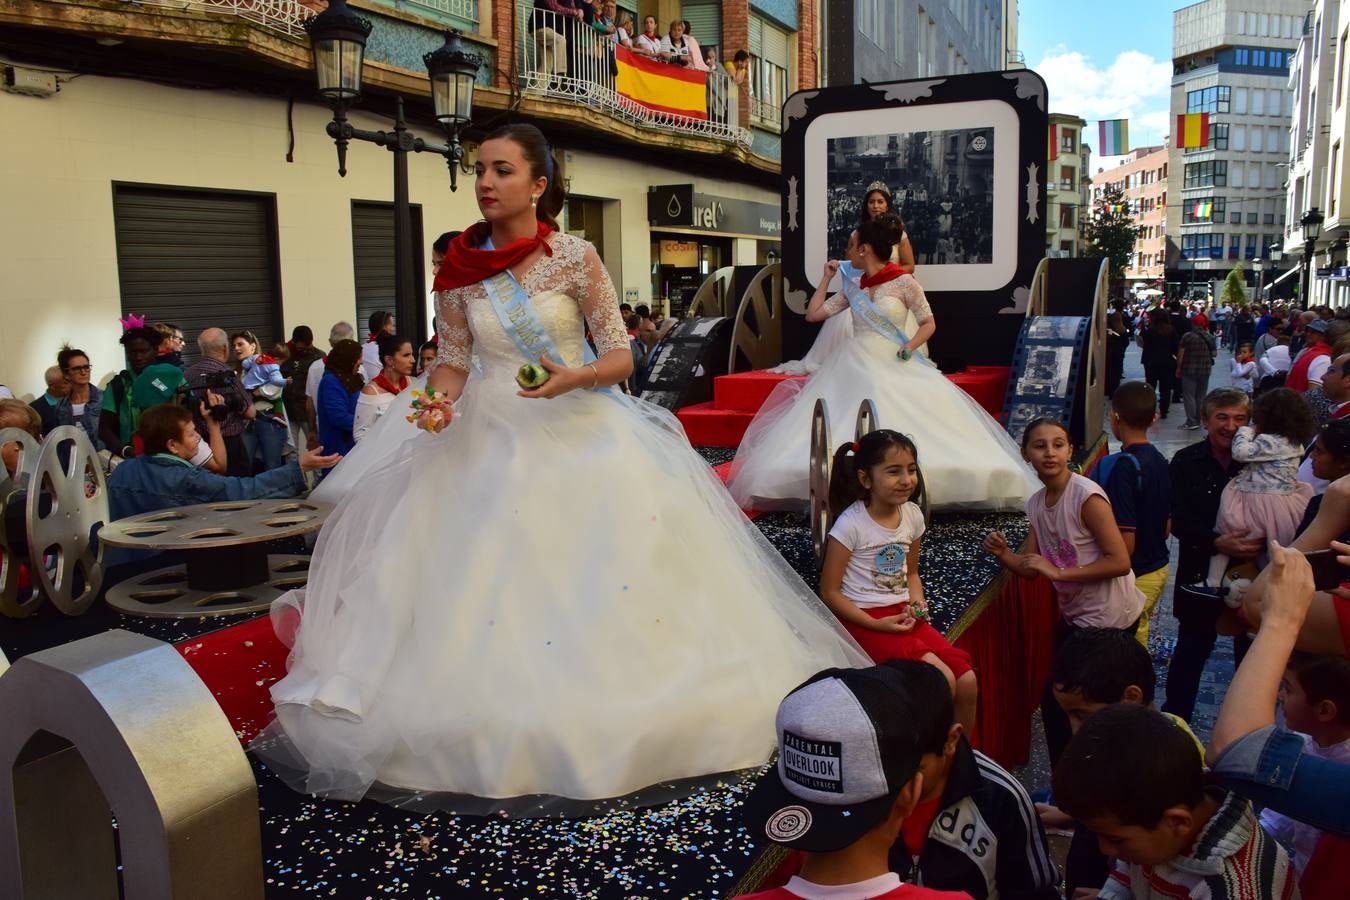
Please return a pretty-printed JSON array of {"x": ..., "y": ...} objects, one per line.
[{"x": 870, "y": 579}]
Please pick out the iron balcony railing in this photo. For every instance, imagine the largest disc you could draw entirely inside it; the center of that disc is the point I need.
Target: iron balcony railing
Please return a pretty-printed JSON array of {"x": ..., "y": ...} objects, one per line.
[
  {"x": 285, "y": 16},
  {"x": 566, "y": 59}
]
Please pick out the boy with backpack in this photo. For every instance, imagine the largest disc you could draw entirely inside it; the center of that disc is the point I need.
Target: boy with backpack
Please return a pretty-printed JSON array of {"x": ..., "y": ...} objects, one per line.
[{"x": 1137, "y": 483}]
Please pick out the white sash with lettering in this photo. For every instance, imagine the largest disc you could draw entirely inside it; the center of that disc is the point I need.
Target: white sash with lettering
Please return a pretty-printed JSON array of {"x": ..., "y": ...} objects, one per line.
[
  {"x": 521, "y": 323},
  {"x": 849, "y": 277}
]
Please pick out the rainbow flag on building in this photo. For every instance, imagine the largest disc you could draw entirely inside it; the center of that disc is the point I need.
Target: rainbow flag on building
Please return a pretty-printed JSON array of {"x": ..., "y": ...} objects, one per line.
[
  {"x": 1203, "y": 209},
  {"x": 661, "y": 87},
  {"x": 1193, "y": 130},
  {"x": 1113, "y": 137}
]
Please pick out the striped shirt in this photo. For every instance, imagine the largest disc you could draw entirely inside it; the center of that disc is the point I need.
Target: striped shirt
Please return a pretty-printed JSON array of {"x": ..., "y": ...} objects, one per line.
[{"x": 1232, "y": 859}]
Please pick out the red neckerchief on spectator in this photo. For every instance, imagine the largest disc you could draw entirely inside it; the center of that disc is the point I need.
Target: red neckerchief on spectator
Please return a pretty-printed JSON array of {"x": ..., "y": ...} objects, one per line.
[
  {"x": 262, "y": 359},
  {"x": 370, "y": 338},
  {"x": 387, "y": 385},
  {"x": 888, "y": 272},
  {"x": 465, "y": 263},
  {"x": 914, "y": 830}
]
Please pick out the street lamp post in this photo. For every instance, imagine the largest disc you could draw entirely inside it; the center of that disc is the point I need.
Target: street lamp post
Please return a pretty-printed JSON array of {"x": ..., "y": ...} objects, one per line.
[
  {"x": 338, "y": 38},
  {"x": 1276, "y": 254},
  {"x": 1257, "y": 265},
  {"x": 1312, "y": 228}
]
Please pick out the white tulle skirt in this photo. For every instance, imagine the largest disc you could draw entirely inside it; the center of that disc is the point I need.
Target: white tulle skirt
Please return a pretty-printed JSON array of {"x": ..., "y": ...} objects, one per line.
[
  {"x": 550, "y": 603},
  {"x": 969, "y": 462}
]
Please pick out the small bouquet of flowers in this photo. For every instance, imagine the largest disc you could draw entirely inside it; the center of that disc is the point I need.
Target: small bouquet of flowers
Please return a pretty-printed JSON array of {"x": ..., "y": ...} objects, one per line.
[{"x": 431, "y": 411}]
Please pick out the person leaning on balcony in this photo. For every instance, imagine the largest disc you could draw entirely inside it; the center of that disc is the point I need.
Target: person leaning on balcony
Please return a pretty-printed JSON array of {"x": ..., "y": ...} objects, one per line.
[
  {"x": 649, "y": 42},
  {"x": 675, "y": 46},
  {"x": 554, "y": 22},
  {"x": 739, "y": 67},
  {"x": 600, "y": 16},
  {"x": 623, "y": 33},
  {"x": 695, "y": 52}
]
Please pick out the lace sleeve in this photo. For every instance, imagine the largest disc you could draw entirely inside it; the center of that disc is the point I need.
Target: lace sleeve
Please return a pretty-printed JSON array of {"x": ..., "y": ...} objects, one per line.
[
  {"x": 453, "y": 336},
  {"x": 911, "y": 292},
  {"x": 600, "y": 304},
  {"x": 835, "y": 303}
]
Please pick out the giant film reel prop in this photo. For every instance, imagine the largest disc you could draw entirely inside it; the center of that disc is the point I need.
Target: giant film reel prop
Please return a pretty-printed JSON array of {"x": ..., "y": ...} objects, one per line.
[
  {"x": 66, "y": 506},
  {"x": 14, "y": 525},
  {"x": 227, "y": 569}
]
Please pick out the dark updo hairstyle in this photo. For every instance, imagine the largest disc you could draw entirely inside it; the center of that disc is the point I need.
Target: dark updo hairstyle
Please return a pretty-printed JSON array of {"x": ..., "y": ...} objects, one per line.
[
  {"x": 140, "y": 333},
  {"x": 389, "y": 345},
  {"x": 543, "y": 164},
  {"x": 1335, "y": 437},
  {"x": 881, "y": 234},
  {"x": 378, "y": 320},
  {"x": 67, "y": 354},
  {"x": 1040, "y": 422},
  {"x": 862, "y": 456},
  {"x": 1284, "y": 412}
]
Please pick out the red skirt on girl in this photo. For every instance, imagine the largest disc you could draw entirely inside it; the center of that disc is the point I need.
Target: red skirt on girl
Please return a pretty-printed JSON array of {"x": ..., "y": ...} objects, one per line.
[{"x": 921, "y": 639}]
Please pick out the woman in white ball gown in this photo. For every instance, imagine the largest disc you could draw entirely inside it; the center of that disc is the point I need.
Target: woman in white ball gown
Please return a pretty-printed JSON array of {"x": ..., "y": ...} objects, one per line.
[
  {"x": 838, "y": 330},
  {"x": 969, "y": 462},
  {"x": 496, "y": 615}
]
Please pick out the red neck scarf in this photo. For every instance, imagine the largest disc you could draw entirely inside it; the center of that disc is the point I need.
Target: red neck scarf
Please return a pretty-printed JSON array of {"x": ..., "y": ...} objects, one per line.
[
  {"x": 465, "y": 263},
  {"x": 887, "y": 273},
  {"x": 384, "y": 383}
]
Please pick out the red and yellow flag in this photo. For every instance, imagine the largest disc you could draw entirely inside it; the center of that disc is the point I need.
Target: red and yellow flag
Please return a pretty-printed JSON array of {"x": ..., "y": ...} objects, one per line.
[
  {"x": 1193, "y": 130},
  {"x": 677, "y": 90}
]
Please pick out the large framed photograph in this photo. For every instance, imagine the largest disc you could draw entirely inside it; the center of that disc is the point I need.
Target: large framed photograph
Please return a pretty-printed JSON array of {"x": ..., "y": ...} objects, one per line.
[{"x": 963, "y": 162}]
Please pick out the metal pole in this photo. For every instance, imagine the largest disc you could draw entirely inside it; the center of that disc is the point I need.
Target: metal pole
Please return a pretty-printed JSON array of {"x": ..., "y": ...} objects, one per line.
[
  {"x": 406, "y": 302},
  {"x": 1308, "y": 248}
]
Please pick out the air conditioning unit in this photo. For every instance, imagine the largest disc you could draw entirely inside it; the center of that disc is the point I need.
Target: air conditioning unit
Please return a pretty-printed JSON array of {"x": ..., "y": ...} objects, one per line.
[{"x": 19, "y": 80}]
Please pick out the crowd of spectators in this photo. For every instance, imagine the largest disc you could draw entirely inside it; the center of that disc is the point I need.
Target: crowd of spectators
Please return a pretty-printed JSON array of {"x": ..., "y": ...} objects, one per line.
[{"x": 576, "y": 39}]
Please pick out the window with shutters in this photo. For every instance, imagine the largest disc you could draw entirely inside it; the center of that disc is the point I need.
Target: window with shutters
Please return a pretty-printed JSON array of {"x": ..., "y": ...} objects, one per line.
[
  {"x": 373, "y": 263},
  {"x": 705, "y": 24},
  {"x": 770, "y": 68},
  {"x": 199, "y": 259}
]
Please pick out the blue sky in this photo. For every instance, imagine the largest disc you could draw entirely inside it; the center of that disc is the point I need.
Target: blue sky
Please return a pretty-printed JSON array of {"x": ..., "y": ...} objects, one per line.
[{"x": 1103, "y": 61}]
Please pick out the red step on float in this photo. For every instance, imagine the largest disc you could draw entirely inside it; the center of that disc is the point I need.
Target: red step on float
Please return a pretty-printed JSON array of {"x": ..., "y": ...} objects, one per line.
[{"x": 736, "y": 399}]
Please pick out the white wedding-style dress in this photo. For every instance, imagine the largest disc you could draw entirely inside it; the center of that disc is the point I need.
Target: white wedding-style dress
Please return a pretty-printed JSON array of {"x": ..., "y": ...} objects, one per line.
[
  {"x": 550, "y": 603},
  {"x": 968, "y": 460}
]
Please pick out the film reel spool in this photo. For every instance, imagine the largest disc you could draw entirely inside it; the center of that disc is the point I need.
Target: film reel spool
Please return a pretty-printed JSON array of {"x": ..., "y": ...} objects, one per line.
[
  {"x": 14, "y": 525},
  {"x": 78, "y": 505},
  {"x": 867, "y": 419},
  {"x": 818, "y": 480}
]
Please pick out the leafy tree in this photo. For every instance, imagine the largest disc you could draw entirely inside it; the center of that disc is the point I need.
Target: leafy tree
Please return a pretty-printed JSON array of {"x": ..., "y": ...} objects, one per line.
[
  {"x": 1234, "y": 288},
  {"x": 1111, "y": 231}
]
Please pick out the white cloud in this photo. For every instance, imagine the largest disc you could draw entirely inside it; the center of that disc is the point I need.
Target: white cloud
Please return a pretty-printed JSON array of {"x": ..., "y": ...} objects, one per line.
[{"x": 1134, "y": 86}]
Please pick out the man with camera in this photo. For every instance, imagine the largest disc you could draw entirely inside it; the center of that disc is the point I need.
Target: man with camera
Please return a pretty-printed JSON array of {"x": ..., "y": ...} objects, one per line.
[
  {"x": 164, "y": 476},
  {"x": 212, "y": 372}
]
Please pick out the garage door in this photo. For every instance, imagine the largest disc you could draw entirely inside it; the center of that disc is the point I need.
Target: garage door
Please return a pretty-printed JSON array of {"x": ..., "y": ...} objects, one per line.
[
  {"x": 199, "y": 259},
  {"x": 373, "y": 261}
]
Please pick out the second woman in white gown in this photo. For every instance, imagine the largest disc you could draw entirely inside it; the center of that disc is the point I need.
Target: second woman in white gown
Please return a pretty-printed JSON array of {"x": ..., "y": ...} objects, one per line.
[
  {"x": 969, "y": 461},
  {"x": 553, "y": 601}
]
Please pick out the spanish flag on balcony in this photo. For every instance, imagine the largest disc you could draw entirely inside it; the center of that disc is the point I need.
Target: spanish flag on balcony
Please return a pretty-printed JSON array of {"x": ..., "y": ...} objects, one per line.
[
  {"x": 661, "y": 87},
  {"x": 1193, "y": 130}
]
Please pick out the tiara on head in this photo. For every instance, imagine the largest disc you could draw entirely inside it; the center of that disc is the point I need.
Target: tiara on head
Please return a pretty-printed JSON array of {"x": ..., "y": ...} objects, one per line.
[
  {"x": 878, "y": 186},
  {"x": 132, "y": 321}
]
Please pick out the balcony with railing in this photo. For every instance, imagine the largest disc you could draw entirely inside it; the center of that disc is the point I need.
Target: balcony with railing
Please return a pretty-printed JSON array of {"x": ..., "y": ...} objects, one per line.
[{"x": 565, "y": 59}]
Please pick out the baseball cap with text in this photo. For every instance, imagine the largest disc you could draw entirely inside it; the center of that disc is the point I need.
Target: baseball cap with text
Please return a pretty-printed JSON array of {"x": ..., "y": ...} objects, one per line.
[{"x": 844, "y": 752}]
